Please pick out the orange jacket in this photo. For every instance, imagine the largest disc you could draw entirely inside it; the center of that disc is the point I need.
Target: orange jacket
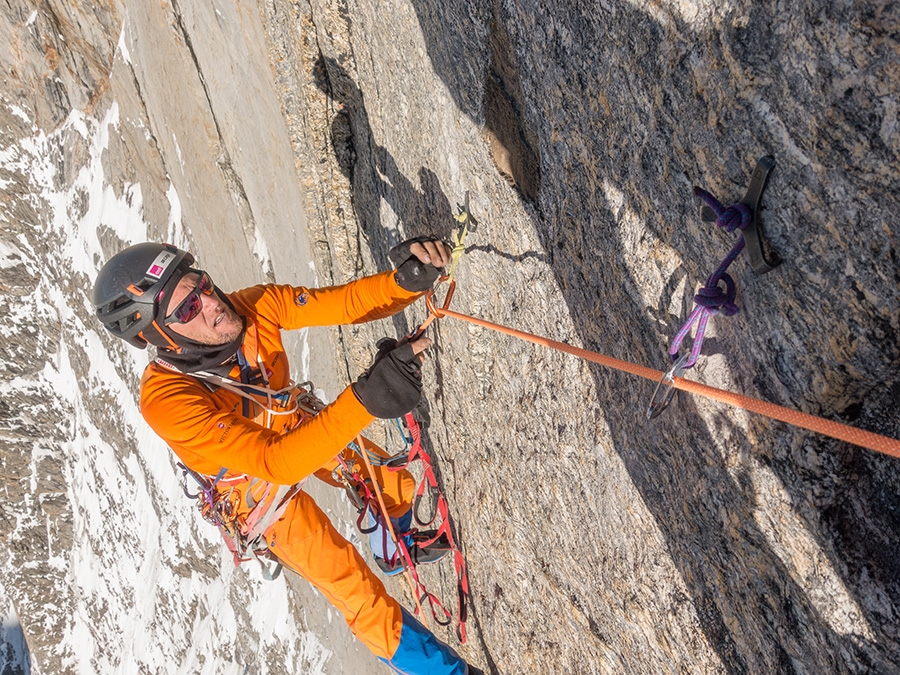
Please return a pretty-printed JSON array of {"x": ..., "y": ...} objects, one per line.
[{"x": 206, "y": 428}]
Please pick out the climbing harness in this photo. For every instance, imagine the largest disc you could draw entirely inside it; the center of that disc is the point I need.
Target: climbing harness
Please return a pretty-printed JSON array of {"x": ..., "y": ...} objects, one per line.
[
  {"x": 219, "y": 500},
  {"x": 220, "y": 497},
  {"x": 711, "y": 298}
]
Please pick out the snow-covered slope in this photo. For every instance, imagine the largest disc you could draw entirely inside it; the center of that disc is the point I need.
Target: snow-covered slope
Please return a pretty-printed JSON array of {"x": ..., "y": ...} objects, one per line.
[{"x": 113, "y": 570}]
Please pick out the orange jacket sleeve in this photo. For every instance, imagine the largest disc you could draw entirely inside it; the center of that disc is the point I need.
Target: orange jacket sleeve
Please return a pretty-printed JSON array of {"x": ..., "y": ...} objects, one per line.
[
  {"x": 291, "y": 307},
  {"x": 207, "y": 431}
]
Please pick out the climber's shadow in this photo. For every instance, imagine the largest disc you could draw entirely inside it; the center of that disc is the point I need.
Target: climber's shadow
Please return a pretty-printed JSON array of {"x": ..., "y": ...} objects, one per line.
[{"x": 418, "y": 210}]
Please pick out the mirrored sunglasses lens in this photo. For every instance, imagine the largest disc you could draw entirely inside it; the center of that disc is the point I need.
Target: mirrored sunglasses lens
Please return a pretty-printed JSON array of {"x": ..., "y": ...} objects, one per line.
[
  {"x": 205, "y": 284},
  {"x": 189, "y": 309}
]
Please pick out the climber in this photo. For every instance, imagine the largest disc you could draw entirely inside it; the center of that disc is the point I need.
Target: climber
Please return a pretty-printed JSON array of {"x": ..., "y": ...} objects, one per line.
[{"x": 219, "y": 393}]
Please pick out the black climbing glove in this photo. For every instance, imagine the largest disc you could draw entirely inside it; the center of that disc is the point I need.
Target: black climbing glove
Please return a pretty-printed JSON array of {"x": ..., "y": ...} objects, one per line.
[
  {"x": 412, "y": 274},
  {"x": 392, "y": 386}
]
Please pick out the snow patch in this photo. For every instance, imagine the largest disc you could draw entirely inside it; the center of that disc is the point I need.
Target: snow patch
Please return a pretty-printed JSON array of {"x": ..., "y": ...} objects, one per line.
[
  {"x": 122, "y": 47},
  {"x": 261, "y": 251},
  {"x": 142, "y": 581},
  {"x": 175, "y": 233},
  {"x": 20, "y": 112},
  {"x": 178, "y": 152},
  {"x": 303, "y": 336}
]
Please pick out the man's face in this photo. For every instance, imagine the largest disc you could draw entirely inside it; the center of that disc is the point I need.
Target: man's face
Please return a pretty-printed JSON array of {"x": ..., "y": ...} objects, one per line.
[{"x": 216, "y": 324}]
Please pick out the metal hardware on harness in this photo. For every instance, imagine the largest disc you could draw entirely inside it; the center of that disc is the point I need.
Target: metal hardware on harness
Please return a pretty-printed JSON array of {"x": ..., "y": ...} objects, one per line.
[
  {"x": 307, "y": 401},
  {"x": 359, "y": 490},
  {"x": 345, "y": 475},
  {"x": 218, "y": 499},
  {"x": 665, "y": 390},
  {"x": 753, "y": 233}
]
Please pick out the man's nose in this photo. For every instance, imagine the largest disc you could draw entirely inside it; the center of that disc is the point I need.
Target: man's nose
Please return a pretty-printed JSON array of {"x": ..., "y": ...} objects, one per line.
[{"x": 210, "y": 302}]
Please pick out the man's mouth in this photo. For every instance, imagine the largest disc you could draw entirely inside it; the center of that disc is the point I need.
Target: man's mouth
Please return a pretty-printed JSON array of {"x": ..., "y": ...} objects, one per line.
[{"x": 219, "y": 319}]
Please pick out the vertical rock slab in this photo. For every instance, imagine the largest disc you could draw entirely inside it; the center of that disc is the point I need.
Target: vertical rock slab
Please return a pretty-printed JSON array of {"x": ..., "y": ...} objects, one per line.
[{"x": 709, "y": 540}]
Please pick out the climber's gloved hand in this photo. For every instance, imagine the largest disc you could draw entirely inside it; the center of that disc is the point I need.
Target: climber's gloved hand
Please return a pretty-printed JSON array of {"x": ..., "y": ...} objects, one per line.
[
  {"x": 419, "y": 262},
  {"x": 392, "y": 386}
]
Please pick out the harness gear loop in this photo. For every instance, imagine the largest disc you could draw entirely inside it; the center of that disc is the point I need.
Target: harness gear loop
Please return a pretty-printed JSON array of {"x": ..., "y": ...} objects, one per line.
[
  {"x": 219, "y": 498},
  {"x": 219, "y": 503}
]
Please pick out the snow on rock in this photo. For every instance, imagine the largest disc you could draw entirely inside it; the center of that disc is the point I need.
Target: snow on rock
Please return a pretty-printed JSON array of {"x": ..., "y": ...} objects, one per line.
[{"x": 107, "y": 564}]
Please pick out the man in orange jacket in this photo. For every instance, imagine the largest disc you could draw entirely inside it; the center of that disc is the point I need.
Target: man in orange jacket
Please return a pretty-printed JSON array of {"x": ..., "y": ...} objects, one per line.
[{"x": 219, "y": 393}]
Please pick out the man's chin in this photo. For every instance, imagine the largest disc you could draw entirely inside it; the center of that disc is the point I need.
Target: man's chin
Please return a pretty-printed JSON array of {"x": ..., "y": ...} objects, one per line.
[
  {"x": 219, "y": 339},
  {"x": 224, "y": 339},
  {"x": 232, "y": 334}
]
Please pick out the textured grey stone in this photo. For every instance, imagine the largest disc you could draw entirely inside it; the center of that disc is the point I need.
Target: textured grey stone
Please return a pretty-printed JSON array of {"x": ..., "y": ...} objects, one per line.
[{"x": 706, "y": 541}]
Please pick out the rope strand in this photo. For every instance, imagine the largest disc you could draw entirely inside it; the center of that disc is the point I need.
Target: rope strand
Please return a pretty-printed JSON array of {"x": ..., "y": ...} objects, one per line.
[{"x": 838, "y": 430}]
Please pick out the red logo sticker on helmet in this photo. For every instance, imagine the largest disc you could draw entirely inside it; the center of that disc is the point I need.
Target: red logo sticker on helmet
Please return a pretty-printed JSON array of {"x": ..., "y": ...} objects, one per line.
[
  {"x": 158, "y": 267},
  {"x": 302, "y": 298}
]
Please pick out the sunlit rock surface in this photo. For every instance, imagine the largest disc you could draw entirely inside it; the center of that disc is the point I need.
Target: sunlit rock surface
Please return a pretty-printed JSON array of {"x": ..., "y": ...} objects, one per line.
[{"x": 274, "y": 135}]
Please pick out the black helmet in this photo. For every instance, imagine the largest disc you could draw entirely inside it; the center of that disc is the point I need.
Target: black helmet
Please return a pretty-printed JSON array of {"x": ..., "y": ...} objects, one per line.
[{"x": 127, "y": 291}]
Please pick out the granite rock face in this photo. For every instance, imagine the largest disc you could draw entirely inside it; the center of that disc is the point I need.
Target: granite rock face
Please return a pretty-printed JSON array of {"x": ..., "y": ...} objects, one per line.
[{"x": 708, "y": 540}]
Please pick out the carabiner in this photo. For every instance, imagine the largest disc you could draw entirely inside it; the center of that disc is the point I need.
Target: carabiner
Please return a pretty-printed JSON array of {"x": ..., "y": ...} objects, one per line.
[
  {"x": 665, "y": 390},
  {"x": 433, "y": 311}
]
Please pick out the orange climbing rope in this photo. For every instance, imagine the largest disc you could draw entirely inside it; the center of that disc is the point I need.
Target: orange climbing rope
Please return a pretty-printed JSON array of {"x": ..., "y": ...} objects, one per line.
[
  {"x": 376, "y": 488},
  {"x": 843, "y": 432}
]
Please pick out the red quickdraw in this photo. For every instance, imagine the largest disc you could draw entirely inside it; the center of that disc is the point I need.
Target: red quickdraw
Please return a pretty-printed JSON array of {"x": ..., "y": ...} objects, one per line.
[
  {"x": 366, "y": 501},
  {"x": 421, "y": 591}
]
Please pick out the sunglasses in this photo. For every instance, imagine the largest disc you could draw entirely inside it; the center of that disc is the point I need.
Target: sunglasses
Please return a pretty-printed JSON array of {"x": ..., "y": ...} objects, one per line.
[{"x": 192, "y": 305}]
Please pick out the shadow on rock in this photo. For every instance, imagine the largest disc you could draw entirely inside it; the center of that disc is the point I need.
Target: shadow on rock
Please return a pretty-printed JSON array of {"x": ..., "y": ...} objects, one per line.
[{"x": 597, "y": 100}]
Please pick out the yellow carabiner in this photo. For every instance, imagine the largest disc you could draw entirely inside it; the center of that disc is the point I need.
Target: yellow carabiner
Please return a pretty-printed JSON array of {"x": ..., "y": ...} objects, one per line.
[{"x": 466, "y": 221}]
